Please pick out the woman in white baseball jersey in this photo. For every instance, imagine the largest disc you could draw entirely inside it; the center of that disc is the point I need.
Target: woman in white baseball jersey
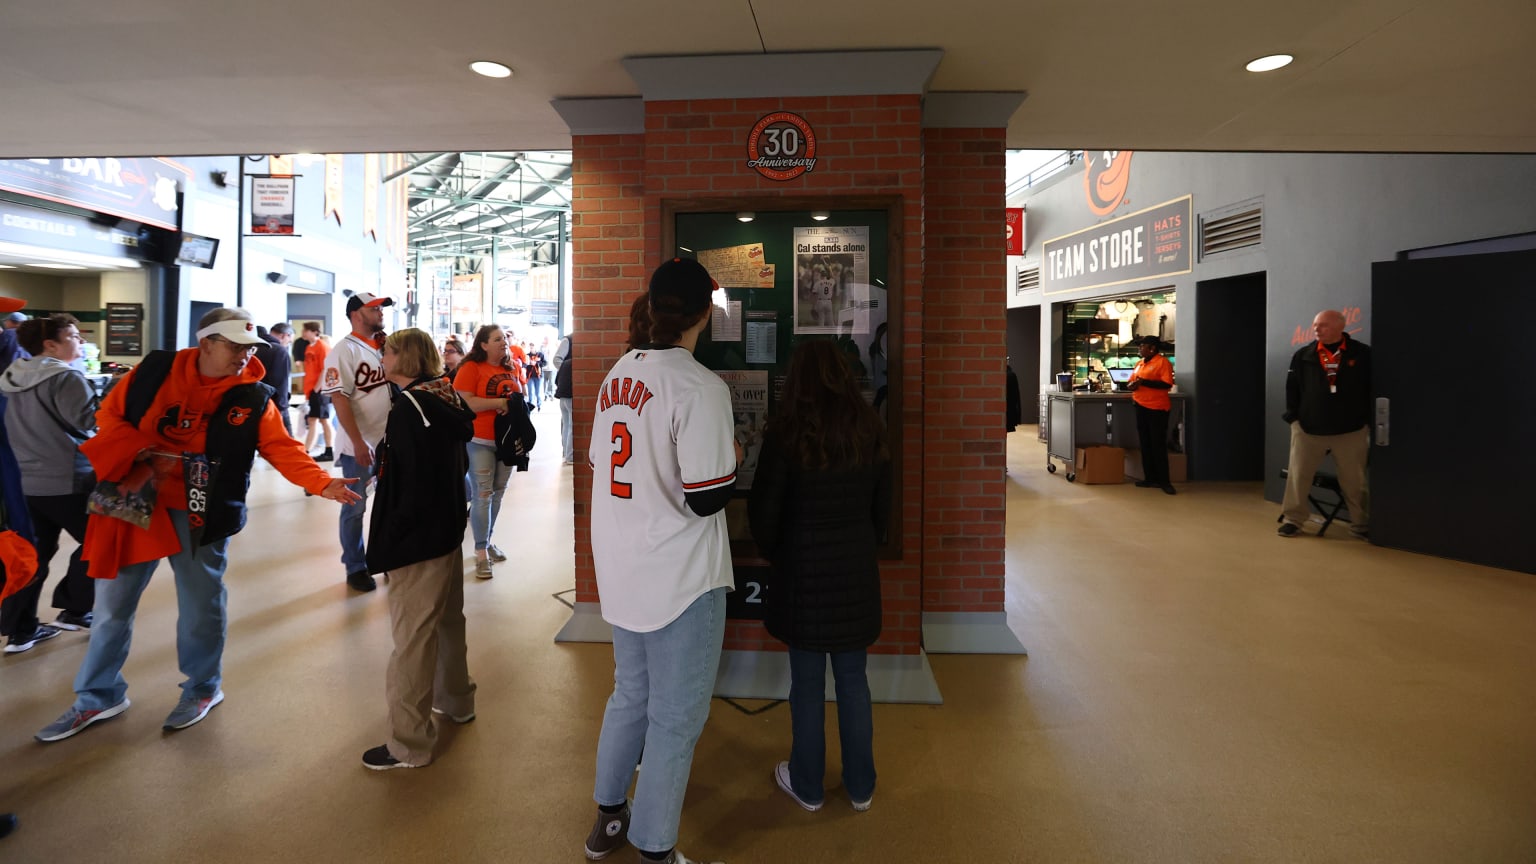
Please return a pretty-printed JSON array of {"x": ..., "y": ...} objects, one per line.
[{"x": 664, "y": 460}]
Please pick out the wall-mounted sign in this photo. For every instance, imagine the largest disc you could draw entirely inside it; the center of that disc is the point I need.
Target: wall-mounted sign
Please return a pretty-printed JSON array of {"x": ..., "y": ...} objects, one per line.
[
  {"x": 143, "y": 190},
  {"x": 1147, "y": 244},
  {"x": 125, "y": 329},
  {"x": 781, "y": 146},
  {"x": 47, "y": 229},
  {"x": 1106, "y": 179},
  {"x": 272, "y": 200},
  {"x": 1014, "y": 231},
  {"x": 544, "y": 312}
]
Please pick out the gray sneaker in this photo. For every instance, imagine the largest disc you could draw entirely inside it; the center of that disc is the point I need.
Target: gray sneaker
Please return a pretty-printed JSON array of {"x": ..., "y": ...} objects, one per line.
[
  {"x": 609, "y": 832},
  {"x": 679, "y": 858},
  {"x": 75, "y": 720},
  {"x": 191, "y": 709},
  {"x": 494, "y": 552}
]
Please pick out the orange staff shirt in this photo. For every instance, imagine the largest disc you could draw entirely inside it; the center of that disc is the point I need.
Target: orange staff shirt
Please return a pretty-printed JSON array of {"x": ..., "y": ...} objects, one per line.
[{"x": 1155, "y": 369}]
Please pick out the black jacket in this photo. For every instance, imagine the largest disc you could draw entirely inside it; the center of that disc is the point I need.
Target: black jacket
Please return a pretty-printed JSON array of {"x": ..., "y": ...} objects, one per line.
[
  {"x": 418, "y": 505},
  {"x": 1306, "y": 391},
  {"x": 1015, "y": 402},
  {"x": 279, "y": 365},
  {"x": 563, "y": 376},
  {"x": 819, "y": 529}
]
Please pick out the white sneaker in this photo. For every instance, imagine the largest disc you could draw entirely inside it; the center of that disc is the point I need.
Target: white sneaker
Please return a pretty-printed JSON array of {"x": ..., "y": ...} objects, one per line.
[{"x": 781, "y": 774}]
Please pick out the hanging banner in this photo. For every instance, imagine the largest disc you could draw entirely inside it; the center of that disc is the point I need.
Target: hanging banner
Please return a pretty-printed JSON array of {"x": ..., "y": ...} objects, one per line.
[
  {"x": 272, "y": 200},
  {"x": 143, "y": 190},
  {"x": 1015, "y": 230},
  {"x": 371, "y": 195},
  {"x": 335, "y": 169},
  {"x": 280, "y": 164}
]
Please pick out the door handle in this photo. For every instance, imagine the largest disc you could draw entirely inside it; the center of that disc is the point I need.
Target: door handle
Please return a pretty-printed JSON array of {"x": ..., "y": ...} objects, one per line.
[{"x": 1383, "y": 421}]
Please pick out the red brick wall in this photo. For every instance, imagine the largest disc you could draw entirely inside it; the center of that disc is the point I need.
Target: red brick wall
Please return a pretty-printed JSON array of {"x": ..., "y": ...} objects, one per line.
[
  {"x": 870, "y": 145},
  {"x": 965, "y": 269}
]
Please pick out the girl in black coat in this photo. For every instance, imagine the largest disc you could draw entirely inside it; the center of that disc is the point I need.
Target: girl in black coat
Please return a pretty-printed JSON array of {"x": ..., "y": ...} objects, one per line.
[{"x": 819, "y": 506}]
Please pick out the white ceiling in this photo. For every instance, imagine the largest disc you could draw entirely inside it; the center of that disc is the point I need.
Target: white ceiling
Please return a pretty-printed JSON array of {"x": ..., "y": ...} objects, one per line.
[{"x": 178, "y": 77}]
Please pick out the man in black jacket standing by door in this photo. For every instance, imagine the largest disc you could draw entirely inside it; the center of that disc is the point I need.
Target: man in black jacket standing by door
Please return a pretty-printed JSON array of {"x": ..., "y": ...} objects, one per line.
[{"x": 1328, "y": 405}]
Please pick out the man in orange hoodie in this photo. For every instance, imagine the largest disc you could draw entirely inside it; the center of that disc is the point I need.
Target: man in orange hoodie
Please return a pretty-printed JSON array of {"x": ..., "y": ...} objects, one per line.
[{"x": 187, "y": 426}]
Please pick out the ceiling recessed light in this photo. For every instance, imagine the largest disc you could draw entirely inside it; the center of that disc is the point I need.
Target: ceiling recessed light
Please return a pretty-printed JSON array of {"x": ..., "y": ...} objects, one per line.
[
  {"x": 491, "y": 69},
  {"x": 1270, "y": 63},
  {"x": 745, "y": 216},
  {"x": 820, "y": 215}
]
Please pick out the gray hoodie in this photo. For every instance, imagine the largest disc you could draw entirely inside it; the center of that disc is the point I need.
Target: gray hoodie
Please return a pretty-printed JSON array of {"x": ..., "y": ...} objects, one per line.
[{"x": 46, "y": 395}]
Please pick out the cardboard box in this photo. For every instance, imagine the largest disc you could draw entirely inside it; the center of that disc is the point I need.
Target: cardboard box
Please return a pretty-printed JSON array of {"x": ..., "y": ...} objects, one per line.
[
  {"x": 1100, "y": 464},
  {"x": 1178, "y": 466}
]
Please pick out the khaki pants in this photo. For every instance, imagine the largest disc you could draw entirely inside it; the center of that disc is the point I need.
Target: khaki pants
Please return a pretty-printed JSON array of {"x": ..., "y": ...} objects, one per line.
[
  {"x": 1349, "y": 454},
  {"x": 428, "y": 668}
]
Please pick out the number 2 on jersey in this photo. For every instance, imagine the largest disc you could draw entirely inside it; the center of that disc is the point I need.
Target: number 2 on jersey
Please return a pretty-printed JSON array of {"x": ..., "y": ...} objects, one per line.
[{"x": 621, "y": 436}]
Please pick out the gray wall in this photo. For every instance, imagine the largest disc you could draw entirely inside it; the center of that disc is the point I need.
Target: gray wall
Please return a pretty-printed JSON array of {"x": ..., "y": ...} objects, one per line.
[{"x": 1327, "y": 217}]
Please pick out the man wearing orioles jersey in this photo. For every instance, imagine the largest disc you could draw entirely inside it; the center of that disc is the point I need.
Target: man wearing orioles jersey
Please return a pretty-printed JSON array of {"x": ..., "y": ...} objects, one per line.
[{"x": 664, "y": 459}]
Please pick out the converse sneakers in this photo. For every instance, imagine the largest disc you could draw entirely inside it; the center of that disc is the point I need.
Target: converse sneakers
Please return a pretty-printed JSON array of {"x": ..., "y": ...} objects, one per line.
[{"x": 609, "y": 832}]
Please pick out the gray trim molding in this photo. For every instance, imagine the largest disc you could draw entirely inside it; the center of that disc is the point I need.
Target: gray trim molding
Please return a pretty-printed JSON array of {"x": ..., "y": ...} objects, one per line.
[
  {"x": 620, "y": 115},
  {"x": 969, "y": 633},
  {"x": 586, "y": 625},
  {"x": 893, "y": 678},
  {"x": 976, "y": 110},
  {"x": 812, "y": 73}
]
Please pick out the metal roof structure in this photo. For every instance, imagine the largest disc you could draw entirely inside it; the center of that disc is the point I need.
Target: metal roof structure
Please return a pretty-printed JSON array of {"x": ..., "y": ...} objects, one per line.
[{"x": 469, "y": 204}]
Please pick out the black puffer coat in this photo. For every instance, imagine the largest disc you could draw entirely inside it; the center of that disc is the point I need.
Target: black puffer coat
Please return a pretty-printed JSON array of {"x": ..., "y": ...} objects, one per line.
[{"x": 820, "y": 529}]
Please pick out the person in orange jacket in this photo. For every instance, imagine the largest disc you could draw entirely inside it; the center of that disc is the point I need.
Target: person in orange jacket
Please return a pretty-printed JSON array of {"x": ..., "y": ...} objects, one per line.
[{"x": 182, "y": 431}]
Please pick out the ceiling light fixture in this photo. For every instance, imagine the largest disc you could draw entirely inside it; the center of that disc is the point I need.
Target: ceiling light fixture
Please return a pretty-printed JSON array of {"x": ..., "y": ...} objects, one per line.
[
  {"x": 1270, "y": 63},
  {"x": 745, "y": 216},
  {"x": 491, "y": 69},
  {"x": 821, "y": 215}
]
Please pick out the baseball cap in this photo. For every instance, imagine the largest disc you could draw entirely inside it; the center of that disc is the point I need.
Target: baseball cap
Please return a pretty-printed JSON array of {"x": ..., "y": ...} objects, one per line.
[
  {"x": 16, "y": 316},
  {"x": 1150, "y": 340},
  {"x": 236, "y": 330},
  {"x": 11, "y": 304},
  {"x": 358, "y": 301},
  {"x": 681, "y": 285}
]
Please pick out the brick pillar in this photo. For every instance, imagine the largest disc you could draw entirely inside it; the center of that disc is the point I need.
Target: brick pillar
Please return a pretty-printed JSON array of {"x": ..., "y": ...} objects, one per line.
[
  {"x": 609, "y": 249},
  {"x": 964, "y": 271}
]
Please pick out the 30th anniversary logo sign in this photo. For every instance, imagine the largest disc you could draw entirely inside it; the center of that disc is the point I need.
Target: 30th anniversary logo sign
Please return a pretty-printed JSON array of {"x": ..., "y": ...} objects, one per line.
[{"x": 781, "y": 146}]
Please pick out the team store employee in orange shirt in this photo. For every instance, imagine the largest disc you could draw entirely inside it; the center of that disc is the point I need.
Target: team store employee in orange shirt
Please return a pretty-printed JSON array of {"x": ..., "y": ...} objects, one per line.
[{"x": 1150, "y": 382}]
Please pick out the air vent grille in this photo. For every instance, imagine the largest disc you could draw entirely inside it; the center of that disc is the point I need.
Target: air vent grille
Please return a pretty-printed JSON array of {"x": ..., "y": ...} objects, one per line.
[
  {"x": 1239, "y": 227},
  {"x": 1029, "y": 280}
]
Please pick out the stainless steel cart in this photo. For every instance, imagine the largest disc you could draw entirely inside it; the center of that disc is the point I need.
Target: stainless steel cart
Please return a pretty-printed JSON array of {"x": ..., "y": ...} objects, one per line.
[{"x": 1074, "y": 420}]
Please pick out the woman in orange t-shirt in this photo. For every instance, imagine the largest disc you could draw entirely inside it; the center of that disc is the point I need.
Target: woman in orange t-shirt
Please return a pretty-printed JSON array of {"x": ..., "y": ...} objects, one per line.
[
  {"x": 1150, "y": 383},
  {"x": 486, "y": 379},
  {"x": 318, "y": 412}
]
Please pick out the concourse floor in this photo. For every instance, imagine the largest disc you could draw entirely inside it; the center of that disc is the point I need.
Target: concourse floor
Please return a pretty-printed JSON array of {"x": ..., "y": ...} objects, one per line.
[{"x": 1197, "y": 690}]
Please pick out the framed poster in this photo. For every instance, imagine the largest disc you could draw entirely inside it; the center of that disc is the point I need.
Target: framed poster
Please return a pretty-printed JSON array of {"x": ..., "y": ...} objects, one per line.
[{"x": 125, "y": 329}]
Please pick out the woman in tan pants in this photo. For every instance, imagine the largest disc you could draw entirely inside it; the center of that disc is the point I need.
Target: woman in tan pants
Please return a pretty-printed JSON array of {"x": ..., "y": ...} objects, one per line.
[{"x": 416, "y": 537}]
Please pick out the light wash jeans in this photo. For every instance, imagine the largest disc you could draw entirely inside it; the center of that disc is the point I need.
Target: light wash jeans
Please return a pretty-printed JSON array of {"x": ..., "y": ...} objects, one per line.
[
  {"x": 567, "y": 433},
  {"x": 489, "y": 478},
  {"x": 200, "y": 622},
  {"x": 662, "y": 683},
  {"x": 352, "y": 557}
]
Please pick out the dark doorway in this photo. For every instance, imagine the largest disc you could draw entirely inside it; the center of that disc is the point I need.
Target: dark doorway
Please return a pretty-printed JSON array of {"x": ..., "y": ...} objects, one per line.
[
  {"x": 1024, "y": 357},
  {"x": 1226, "y": 428},
  {"x": 1452, "y": 476}
]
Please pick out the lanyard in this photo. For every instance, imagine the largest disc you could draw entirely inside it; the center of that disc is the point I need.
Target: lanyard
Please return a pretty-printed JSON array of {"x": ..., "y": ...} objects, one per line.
[{"x": 1330, "y": 363}]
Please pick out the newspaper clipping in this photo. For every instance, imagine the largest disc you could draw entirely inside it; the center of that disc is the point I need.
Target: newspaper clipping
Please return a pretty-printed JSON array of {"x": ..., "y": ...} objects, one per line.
[
  {"x": 749, "y": 405},
  {"x": 738, "y": 266},
  {"x": 828, "y": 262}
]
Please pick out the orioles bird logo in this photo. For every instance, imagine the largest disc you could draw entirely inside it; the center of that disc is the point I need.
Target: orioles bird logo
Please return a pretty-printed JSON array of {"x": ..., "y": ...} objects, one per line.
[
  {"x": 1106, "y": 180},
  {"x": 171, "y": 424},
  {"x": 238, "y": 415}
]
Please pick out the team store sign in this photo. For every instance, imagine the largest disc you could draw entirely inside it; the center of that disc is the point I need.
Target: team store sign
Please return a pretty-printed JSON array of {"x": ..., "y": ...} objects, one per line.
[
  {"x": 1148, "y": 244},
  {"x": 781, "y": 146}
]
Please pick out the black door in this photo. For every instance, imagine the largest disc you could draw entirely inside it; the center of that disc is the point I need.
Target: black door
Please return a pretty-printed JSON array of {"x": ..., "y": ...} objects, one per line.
[{"x": 1451, "y": 340}]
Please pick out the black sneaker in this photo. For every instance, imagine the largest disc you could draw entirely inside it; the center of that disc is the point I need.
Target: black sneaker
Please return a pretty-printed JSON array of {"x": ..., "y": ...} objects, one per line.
[
  {"x": 18, "y": 644},
  {"x": 72, "y": 621},
  {"x": 378, "y": 759},
  {"x": 1168, "y": 489},
  {"x": 327, "y": 456},
  {"x": 7, "y": 824},
  {"x": 361, "y": 581},
  {"x": 609, "y": 832},
  {"x": 1289, "y": 530}
]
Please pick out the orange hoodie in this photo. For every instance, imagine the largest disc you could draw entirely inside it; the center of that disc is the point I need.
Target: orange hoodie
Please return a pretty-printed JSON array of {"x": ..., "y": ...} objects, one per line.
[{"x": 176, "y": 422}]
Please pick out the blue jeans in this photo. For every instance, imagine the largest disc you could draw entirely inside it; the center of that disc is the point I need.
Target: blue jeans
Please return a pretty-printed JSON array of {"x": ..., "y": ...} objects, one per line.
[
  {"x": 534, "y": 387},
  {"x": 352, "y": 557},
  {"x": 808, "y": 718},
  {"x": 567, "y": 434},
  {"x": 662, "y": 683},
  {"x": 489, "y": 479},
  {"x": 200, "y": 622}
]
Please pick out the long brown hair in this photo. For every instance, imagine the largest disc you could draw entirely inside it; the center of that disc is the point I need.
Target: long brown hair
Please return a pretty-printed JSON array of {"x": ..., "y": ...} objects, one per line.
[
  {"x": 640, "y": 321},
  {"x": 823, "y": 421},
  {"x": 478, "y": 353}
]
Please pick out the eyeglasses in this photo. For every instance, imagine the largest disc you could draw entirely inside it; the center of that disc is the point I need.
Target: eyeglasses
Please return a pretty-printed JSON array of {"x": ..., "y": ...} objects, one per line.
[{"x": 235, "y": 346}]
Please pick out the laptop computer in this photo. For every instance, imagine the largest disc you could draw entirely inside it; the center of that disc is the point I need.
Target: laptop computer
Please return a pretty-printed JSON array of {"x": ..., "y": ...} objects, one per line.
[{"x": 1121, "y": 377}]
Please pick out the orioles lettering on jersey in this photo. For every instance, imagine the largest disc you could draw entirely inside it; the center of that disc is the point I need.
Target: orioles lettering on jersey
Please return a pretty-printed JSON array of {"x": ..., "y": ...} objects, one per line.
[
  {"x": 626, "y": 391},
  {"x": 368, "y": 377}
]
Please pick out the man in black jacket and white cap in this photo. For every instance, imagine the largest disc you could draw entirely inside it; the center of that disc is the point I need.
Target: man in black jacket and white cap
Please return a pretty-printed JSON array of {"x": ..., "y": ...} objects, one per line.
[{"x": 1328, "y": 405}]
